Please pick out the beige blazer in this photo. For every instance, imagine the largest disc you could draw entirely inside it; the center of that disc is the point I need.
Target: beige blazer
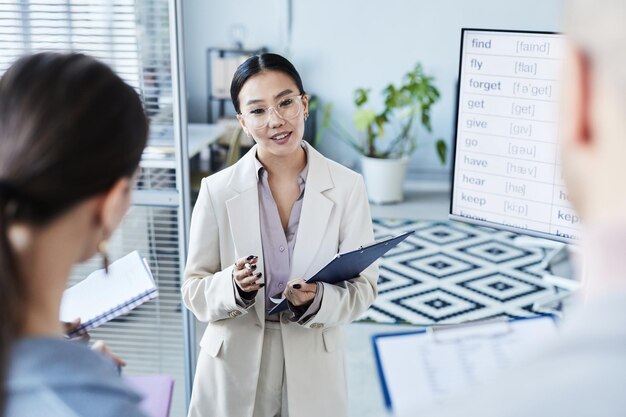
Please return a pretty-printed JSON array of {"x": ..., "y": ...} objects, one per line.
[{"x": 224, "y": 227}]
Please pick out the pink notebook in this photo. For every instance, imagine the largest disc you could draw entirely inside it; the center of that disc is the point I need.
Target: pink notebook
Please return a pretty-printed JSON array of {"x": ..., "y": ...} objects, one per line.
[{"x": 156, "y": 391}]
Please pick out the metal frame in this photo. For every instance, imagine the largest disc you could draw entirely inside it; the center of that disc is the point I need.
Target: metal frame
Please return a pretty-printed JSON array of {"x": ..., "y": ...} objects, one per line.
[{"x": 182, "y": 174}]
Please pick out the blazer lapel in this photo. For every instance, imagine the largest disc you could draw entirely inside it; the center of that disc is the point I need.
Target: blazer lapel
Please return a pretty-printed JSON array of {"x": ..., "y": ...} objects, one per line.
[
  {"x": 243, "y": 216},
  {"x": 316, "y": 211}
]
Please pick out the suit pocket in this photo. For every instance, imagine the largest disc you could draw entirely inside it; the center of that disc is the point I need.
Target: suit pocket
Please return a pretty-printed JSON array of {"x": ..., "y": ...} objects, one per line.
[
  {"x": 331, "y": 339},
  {"x": 212, "y": 341}
]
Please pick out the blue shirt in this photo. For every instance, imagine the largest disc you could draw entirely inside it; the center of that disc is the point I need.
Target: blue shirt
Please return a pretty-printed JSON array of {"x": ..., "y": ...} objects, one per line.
[{"x": 59, "y": 378}]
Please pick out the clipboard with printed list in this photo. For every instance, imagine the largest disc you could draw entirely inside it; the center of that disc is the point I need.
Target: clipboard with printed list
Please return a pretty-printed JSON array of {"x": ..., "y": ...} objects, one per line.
[
  {"x": 347, "y": 265},
  {"x": 421, "y": 368}
]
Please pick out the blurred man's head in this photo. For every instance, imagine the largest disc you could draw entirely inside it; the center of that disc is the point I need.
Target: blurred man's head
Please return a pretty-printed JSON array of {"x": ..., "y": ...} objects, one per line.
[{"x": 593, "y": 126}]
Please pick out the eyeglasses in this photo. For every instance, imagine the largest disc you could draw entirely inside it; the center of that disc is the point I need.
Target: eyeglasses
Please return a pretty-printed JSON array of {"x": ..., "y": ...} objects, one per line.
[{"x": 288, "y": 108}]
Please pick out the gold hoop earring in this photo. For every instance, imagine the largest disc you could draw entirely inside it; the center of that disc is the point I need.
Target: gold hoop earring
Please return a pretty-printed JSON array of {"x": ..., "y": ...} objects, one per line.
[{"x": 104, "y": 253}]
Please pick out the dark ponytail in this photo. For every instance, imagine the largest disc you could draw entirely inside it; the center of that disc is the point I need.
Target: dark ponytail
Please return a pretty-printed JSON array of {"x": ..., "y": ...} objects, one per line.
[
  {"x": 257, "y": 64},
  {"x": 11, "y": 290},
  {"x": 70, "y": 128}
]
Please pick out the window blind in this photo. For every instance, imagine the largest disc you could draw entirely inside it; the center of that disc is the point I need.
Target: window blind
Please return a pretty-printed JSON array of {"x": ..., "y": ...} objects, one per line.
[
  {"x": 150, "y": 338},
  {"x": 133, "y": 37}
]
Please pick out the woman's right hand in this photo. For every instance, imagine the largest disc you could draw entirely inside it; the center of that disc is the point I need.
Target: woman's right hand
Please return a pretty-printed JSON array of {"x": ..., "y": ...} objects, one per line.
[
  {"x": 70, "y": 327},
  {"x": 245, "y": 275}
]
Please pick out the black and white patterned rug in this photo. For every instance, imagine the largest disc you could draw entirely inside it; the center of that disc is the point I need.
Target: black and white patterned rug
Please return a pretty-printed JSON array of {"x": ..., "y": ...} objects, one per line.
[{"x": 451, "y": 272}]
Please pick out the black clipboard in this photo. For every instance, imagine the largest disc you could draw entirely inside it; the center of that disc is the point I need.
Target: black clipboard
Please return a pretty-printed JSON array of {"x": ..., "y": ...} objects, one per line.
[{"x": 348, "y": 265}]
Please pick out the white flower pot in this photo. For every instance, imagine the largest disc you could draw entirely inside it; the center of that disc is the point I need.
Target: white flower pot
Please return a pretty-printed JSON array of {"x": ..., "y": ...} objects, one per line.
[{"x": 384, "y": 179}]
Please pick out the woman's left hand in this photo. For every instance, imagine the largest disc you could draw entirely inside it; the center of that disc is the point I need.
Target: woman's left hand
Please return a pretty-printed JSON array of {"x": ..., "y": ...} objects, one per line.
[
  {"x": 100, "y": 346},
  {"x": 299, "y": 293}
]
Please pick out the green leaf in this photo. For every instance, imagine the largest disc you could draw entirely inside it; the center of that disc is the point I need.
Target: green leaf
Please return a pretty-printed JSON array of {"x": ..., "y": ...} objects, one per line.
[
  {"x": 363, "y": 118},
  {"x": 391, "y": 97},
  {"x": 313, "y": 103},
  {"x": 325, "y": 123},
  {"x": 327, "y": 110},
  {"x": 442, "y": 150},
  {"x": 426, "y": 119},
  {"x": 360, "y": 96}
]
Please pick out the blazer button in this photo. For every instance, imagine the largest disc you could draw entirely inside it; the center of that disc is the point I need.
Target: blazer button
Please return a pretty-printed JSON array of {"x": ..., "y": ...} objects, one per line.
[
  {"x": 317, "y": 325},
  {"x": 284, "y": 318}
]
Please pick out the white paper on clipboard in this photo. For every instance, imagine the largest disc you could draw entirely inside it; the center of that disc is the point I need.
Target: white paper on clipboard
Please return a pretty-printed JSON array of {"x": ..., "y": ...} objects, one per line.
[{"x": 419, "y": 369}]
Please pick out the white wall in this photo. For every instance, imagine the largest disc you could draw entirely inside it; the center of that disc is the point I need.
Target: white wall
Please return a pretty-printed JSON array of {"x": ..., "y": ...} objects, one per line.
[{"x": 339, "y": 45}]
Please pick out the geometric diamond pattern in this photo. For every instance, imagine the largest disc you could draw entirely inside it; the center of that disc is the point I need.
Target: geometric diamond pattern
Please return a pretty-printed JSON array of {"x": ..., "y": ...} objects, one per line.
[
  {"x": 393, "y": 280},
  {"x": 452, "y": 272},
  {"x": 438, "y": 304},
  {"x": 443, "y": 233},
  {"x": 502, "y": 287},
  {"x": 499, "y": 285},
  {"x": 440, "y": 265},
  {"x": 495, "y": 251}
]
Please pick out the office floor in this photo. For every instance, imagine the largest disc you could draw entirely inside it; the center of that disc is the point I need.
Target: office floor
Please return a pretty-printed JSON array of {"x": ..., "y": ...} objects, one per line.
[{"x": 429, "y": 201}]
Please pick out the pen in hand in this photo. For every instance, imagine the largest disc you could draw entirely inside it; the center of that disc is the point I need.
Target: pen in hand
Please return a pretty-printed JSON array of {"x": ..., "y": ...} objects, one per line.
[{"x": 277, "y": 298}]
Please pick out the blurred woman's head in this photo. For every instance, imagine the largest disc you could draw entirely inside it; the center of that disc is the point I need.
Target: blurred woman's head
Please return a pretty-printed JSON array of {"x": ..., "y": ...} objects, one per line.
[
  {"x": 71, "y": 132},
  {"x": 271, "y": 103}
]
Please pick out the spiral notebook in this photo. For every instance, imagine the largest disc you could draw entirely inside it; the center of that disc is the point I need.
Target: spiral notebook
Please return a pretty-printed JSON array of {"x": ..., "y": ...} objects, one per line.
[{"x": 101, "y": 297}]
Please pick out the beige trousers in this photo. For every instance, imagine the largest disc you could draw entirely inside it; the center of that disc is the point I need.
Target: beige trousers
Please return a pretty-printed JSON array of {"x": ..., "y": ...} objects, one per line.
[{"x": 271, "y": 391}]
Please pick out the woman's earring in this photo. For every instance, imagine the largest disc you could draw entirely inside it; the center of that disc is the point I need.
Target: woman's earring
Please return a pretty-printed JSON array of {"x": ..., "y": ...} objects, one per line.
[
  {"x": 103, "y": 251},
  {"x": 306, "y": 116},
  {"x": 19, "y": 236}
]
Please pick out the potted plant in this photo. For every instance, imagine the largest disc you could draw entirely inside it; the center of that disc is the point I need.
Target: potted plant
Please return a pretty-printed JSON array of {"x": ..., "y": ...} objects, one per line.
[{"x": 386, "y": 139}]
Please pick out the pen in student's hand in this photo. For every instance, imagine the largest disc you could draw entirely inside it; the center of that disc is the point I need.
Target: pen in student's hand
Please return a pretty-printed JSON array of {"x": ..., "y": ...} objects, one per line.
[{"x": 297, "y": 286}]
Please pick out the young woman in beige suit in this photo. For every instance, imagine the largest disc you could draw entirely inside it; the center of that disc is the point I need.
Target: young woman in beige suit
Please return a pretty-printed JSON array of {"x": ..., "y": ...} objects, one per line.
[{"x": 259, "y": 229}]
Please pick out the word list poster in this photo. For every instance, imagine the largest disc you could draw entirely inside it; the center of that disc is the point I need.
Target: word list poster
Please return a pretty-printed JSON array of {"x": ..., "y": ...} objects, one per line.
[{"x": 507, "y": 168}]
